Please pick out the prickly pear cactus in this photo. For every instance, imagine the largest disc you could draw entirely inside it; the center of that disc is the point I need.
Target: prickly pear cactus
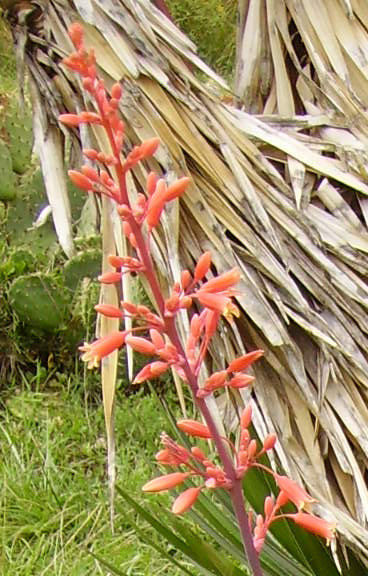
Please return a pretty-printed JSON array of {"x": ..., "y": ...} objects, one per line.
[
  {"x": 21, "y": 227},
  {"x": 7, "y": 177},
  {"x": 87, "y": 264},
  {"x": 39, "y": 302},
  {"x": 17, "y": 132}
]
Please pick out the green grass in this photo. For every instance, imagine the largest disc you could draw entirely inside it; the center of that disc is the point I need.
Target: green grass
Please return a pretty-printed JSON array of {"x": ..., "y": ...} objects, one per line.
[
  {"x": 53, "y": 495},
  {"x": 211, "y": 24}
]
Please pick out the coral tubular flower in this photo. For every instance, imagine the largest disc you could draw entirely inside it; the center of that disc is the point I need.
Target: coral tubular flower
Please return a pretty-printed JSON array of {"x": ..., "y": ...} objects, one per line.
[
  {"x": 150, "y": 371},
  {"x": 202, "y": 267},
  {"x": 166, "y": 482},
  {"x": 70, "y": 119},
  {"x": 296, "y": 493},
  {"x": 109, "y": 311},
  {"x": 217, "y": 302},
  {"x": 242, "y": 363},
  {"x": 97, "y": 350},
  {"x": 194, "y": 428},
  {"x": 216, "y": 380},
  {"x": 240, "y": 381},
  {"x": 185, "y": 500},
  {"x": 80, "y": 180},
  {"x": 223, "y": 282},
  {"x": 109, "y": 277},
  {"x": 177, "y": 189},
  {"x": 315, "y": 525},
  {"x": 246, "y": 417},
  {"x": 269, "y": 442},
  {"x": 75, "y": 32},
  {"x": 141, "y": 345}
]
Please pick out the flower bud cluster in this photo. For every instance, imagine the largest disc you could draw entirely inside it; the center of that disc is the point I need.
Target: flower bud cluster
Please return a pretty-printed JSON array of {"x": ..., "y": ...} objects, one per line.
[{"x": 195, "y": 462}]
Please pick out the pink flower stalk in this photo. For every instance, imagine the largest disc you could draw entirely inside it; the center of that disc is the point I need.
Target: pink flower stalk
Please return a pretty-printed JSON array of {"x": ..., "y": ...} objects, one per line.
[{"x": 213, "y": 296}]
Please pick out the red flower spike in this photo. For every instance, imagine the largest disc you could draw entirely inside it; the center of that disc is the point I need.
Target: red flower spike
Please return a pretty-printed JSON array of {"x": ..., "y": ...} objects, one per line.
[
  {"x": 202, "y": 267},
  {"x": 242, "y": 363},
  {"x": 150, "y": 371},
  {"x": 70, "y": 119},
  {"x": 185, "y": 500},
  {"x": 151, "y": 183},
  {"x": 109, "y": 311},
  {"x": 223, "y": 282},
  {"x": 109, "y": 278},
  {"x": 295, "y": 493},
  {"x": 90, "y": 172},
  {"x": 141, "y": 345},
  {"x": 167, "y": 482},
  {"x": 315, "y": 525},
  {"x": 80, "y": 180},
  {"x": 94, "y": 352},
  {"x": 246, "y": 417},
  {"x": 216, "y": 380},
  {"x": 75, "y": 32},
  {"x": 194, "y": 428},
  {"x": 177, "y": 189},
  {"x": 240, "y": 381}
]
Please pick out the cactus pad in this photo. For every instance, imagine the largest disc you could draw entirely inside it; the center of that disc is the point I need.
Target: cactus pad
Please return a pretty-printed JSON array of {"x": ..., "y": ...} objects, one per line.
[
  {"x": 39, "y": 302},
  {"x": 87, "y": 264},
  {"x": 17, "y": 127},
  {"x": 23, "y": 211},
  {"x": 7, "y": 177}
]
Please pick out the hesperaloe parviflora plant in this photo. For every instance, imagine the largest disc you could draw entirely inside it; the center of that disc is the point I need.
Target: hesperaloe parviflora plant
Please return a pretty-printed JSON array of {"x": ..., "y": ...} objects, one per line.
[{"x": 213, "y": 298}]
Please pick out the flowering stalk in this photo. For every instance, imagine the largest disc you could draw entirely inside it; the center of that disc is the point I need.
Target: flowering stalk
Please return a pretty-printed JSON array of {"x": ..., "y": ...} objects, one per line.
[{"x": 214, "y": 296}]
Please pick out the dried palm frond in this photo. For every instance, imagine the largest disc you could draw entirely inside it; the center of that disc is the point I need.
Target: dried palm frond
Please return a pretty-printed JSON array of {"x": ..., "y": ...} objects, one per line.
[{"x": 282, "y": 195}]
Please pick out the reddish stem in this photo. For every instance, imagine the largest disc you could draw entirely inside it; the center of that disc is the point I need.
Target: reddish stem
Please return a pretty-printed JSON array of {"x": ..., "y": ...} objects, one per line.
[{"x": 236, "y": 492}]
